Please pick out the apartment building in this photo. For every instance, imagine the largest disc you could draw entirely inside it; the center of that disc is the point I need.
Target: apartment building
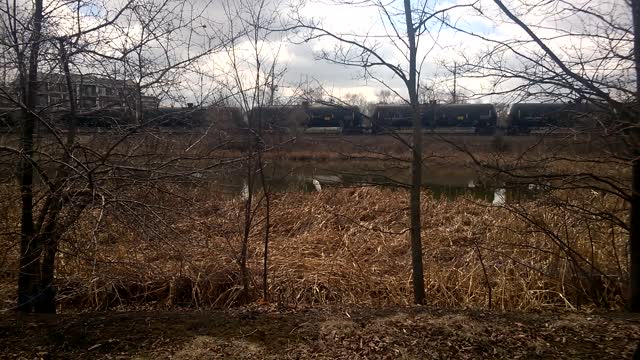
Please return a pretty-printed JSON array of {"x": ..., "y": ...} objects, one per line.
[{"x": 91, "y": 92}]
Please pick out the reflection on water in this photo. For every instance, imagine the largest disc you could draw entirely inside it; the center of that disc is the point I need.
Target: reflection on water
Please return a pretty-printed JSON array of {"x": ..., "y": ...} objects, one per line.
[{"x": 443, "y": 182}]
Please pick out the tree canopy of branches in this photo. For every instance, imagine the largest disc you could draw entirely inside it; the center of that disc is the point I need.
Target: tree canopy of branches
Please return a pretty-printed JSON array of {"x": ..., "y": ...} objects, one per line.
[
  {"x": 577, "y": 51},
  {"x": 143, "y": 45},
  {"x": 394, "y": 51}
]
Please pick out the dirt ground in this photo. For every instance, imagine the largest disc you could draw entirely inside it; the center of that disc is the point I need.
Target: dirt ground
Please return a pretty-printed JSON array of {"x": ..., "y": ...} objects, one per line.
[{"x": 336, "y": 333}]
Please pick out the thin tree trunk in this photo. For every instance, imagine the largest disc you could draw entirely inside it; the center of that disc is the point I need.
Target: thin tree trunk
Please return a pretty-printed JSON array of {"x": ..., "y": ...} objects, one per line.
[
  {"x": 30, "y": 249},
  {"x": 416, "y": 226},
  {"x": 634, "y": 239},
  {"x": 416, "y": 165},
  {"x": 265, "y": 285},
  {"x": 138, "y": 99},
  {"x": 46, "y": 300},
  {"x": 248, "y": 219},
  {"x": 267, "y": 198},
  {"x": 50, "y": 237},
  {"x": 634, "y": 235}
]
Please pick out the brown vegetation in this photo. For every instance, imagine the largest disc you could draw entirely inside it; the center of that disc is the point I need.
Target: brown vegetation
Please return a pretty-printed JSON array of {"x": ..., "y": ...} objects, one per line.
[{"x": 342, "y": 246}]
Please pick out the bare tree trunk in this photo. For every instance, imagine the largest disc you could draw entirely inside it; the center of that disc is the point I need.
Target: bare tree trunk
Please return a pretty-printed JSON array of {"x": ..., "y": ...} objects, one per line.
[
  {"x": 248, "y": 220},
  {"x": 267, "y": 197},
  {"x": 28, "y": 276},
  {"x": 634, "y": 235},
  {"x": 138, "y": 106},
  {"x": 634, "y": 239},
  {"x": 46, "y": 301},
  {"x": 416, "y": 165},
  {"x": 267, "y": 224},
  {"x": 50, "y": 234}
]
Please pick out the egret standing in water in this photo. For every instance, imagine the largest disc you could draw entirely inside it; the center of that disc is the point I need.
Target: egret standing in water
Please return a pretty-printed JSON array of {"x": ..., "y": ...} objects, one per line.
[
  {"x": 316, "y": 184},
  {"x": 245, "y": 191},
  {"x": 499, "y": 197}
]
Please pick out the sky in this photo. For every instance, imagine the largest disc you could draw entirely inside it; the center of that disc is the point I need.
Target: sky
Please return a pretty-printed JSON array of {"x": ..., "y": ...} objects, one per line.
[
  {"x": 364, "y": 23},
  {"x": 442, "y": 46},
  {"x": 465, "y": 35}
]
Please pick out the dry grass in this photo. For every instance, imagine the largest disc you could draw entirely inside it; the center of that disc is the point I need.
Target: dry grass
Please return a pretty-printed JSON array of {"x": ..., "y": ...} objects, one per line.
[{"x": 343, "y": 246}]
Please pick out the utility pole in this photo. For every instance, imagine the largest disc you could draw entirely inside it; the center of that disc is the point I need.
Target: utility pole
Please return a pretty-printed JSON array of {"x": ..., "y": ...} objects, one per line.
[
  {"x": 455, "y": 78},
  {"x": 201, "y": 90},
  {"x": 272, "y": 85}
]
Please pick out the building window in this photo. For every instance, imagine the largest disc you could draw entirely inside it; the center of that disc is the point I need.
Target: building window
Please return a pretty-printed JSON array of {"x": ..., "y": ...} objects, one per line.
[
  {"x": 42, "y": 100},
  {"x": 88, "y": 103},
  {"x": 54, "y": 86},
  {"x": 89, "y": 90},
  {"x": 56, "y": 100}
]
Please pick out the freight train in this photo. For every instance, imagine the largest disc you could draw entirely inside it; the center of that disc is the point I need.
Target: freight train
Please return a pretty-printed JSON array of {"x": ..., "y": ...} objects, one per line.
[{"x": 481, "y": 119}]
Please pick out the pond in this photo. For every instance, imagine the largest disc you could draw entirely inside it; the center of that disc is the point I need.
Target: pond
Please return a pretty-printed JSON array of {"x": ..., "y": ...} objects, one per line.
[{"x": 443, "y": 181}]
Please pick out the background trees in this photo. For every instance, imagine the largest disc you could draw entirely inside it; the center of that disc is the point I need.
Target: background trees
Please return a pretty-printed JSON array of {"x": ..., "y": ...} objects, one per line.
[
  {"x": 583, "y": 52},
  {"x": 252, "y": 75},
  {"x": 395, "y": 51},
  {"x": 161, "y": 48},
  {"x": 62, "y": 178}
]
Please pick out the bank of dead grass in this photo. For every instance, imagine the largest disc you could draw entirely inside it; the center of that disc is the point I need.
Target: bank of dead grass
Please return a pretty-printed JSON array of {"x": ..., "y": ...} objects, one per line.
[{"x": 339, "y": 246}]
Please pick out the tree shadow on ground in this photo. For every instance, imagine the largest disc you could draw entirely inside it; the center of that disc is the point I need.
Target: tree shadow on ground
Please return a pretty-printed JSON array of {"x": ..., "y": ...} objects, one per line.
[{"x": 325, "y": 333}]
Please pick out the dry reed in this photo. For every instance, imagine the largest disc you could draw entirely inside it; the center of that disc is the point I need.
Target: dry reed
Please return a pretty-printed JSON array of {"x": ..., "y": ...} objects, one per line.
[{"x": 340, "y": 246}]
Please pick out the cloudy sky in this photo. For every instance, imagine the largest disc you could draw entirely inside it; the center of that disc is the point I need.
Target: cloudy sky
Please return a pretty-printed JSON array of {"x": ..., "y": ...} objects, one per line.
[
  {"x": 441, "y": 45},
  {"x": 463, "y": 34}
]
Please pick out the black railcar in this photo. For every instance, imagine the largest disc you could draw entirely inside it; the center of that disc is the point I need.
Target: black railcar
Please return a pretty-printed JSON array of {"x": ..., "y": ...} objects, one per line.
[
  {"x": 455, "y": 118},
  {"x": 476, "y": 118},
  {"x": 391, "y": 117},
  {"x": 525, "y": 118},
  {"x": 278, "y": 118},
  {"x": 347, "y": 119}
]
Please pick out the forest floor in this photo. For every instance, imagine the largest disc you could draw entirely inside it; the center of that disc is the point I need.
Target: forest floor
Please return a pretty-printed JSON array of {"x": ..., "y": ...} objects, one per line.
[{"x": 327, "y": 333}]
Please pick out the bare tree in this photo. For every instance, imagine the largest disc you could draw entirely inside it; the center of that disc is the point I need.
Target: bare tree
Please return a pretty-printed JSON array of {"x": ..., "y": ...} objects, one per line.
[
  {"x": 585, "y": 53},
  {"x": 404, "y": 26},
  {"x": 59, "y": 176},
  {"x": 252, "y": 75},
  {"x": 384, "y": 96}
]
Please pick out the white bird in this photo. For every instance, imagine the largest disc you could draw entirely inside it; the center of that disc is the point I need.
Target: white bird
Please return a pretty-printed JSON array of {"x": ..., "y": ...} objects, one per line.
[
  {"x": 499, "y": 197},
  {"x": 245, "y": 191},
  {"x": 316, "y": 184},
  {"x": 471, "y": 184}
]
